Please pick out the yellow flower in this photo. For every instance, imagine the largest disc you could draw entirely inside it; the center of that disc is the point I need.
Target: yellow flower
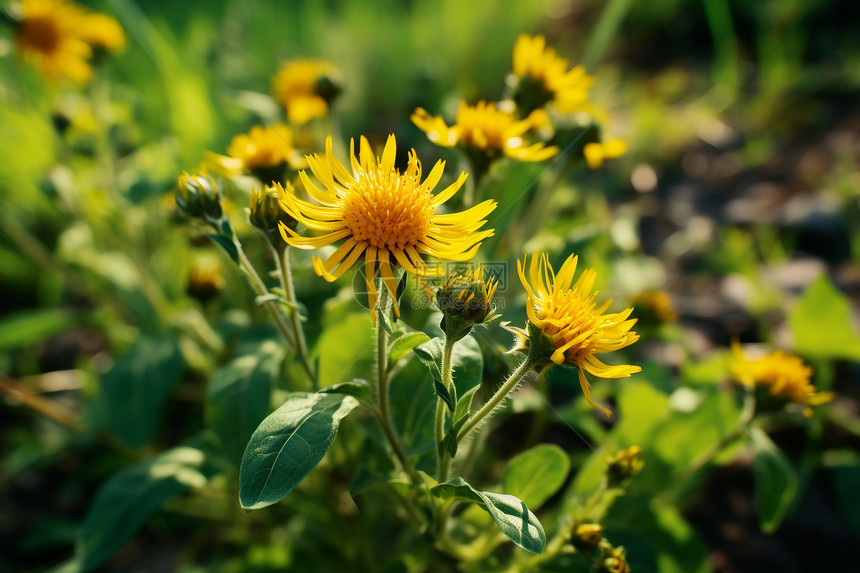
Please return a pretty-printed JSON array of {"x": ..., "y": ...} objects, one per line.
[
  {"x": 102, "y": 31},
  {"x": 595, "y": 153},
  {"x": 568, "y": 319},
  {"x": 305, "y": 88},
  {"x": 263, "y": 151},
  {"x": 783, "y": 374},
  {"x": 486, "y": 128},
  {"x": 387, "y": 216},
  {"x": 205, "y": 279},
  {"x": 624, "y": 464},
  {"x": 49, "y": 34},
  {"x": 544, "y": 77},
  {"x": 657, "y": 306}
]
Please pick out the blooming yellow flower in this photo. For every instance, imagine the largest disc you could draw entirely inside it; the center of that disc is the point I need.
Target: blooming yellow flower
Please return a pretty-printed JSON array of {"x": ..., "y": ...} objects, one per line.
[
  {"x": 387, "y": 216},
  {"x": 49, "y": 34},
  {"x": 544, "y": 77},
  {"x": 102, "y": 31},
  {"x": 783, "y": 374},
  {"x": 567, "y": 317},
  {"x": 262, "y": 150},
  {"x": 305, "y": 88},
  {"x": 595, "y": 153},
  {"x": 486, "y": 128}
]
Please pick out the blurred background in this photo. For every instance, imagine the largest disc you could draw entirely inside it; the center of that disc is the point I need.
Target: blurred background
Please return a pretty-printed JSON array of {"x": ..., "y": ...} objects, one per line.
[{"x": 739, "y": 196}]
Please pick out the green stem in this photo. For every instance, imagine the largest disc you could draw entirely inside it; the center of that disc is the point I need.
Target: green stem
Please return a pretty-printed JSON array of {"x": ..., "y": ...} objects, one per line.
[
  {"x": 301, "y": 346},
  {"x": 260, "y": 288},
  {"x": 442, "y": 458},
  {"x": 515, "y": 378},
  {"x": 383, "y": 412}
]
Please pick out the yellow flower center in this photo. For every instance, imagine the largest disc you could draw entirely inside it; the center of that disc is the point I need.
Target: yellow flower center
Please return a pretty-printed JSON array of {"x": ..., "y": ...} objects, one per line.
[
  {"x": 42, "y": 33},
  {"x": 389, "y": 210}
]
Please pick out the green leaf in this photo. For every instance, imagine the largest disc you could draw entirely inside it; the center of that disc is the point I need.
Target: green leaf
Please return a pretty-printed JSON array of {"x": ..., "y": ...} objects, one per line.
[
  {"x": 443, "y": 393},
  {"x": 403, "y": 344},
  {"x": 462, "y": 410},
  {"x": 821, "y": 323},
  {"x": 359, "y": 389},
  {"x": 135, "y": 390},
  {"x": 347, "y": 345},
  {"x": 383, "y": 320},
  {"x": 227, "y": 244},
  {"x": 33, "y": 326},
  {"x": 430, "y": 354},
  {"x": 467, "y": 361},
  {"x": 289, "y": 443},
  {"x": 124, "y": 502},
  {"x": 536, "y": 474},
  {"x": 846, "y": 478},
  {"x": 237, "y": 398},
  {"x": 775, "y": 480},
  {"x": 510, "y": 513}
]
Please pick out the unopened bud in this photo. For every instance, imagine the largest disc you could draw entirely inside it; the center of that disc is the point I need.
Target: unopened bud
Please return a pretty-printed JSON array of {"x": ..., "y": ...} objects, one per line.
[
  {"x": 623, "y": 465},
  {"x": 465, "y": 301},
  {"x": 266, "y": 213},
  {"x": 199, "y": 197}
]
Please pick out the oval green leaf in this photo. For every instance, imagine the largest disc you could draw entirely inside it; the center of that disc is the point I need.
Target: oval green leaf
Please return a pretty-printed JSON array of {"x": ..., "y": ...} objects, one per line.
[
  {"x": 237, "y": 398},
  {"x": 510, "y": 513},
  {"x": 129, "y": 497},
  {"x": 536, "y": 474},
  {"x": 288, "y": 444},
  {"x": 774, "y": 478}
]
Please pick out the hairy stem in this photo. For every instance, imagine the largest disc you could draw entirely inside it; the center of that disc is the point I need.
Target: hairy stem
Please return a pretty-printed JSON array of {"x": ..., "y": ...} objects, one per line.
[
  {"x": 301, "y": 346},
  {"x": 515, "y": 378},
  {"x": 442, "y": 458}
]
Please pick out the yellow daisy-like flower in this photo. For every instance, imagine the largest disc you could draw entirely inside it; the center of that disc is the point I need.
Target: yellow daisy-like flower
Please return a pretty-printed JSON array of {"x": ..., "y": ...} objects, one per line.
[
  {"x": 568, "y": 318},
  {"x": 544, "y": 77},
  {"x": 783, "y": 374},
  {"x": 49, "y": 34},
  {"x": 595, "y": 153},
  {"x": 486, "y": 128},
  {"x": 103, "y": 31},
  {"x": 657, "y": 305},
  {"x": 262, "y": 151},
  {"x": 305, "y": 88},
  {"x": 386, "y": 216}
]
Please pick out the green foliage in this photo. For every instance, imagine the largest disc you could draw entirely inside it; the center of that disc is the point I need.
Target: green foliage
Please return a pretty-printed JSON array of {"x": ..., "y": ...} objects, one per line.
[
  {"x": 130, "y": 496},
  {"x": 821, "y": 323},
  {"x": 288, "y": 444},
  {"x": 536, "y": 474},
  {"x": 32, "y": 327},
  {"x": 511, "y": 515},
  {"x": 775, "y": 480},
  {"x": 238, "y": 396},
  {"x": 136, "y": 388}
]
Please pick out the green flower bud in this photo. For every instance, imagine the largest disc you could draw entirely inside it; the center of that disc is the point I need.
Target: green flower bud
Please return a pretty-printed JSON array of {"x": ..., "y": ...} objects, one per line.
[
  {"x": 266, "y": 213},
  {"x": 465, "y": 300},
  {"x": 198, "y": 196}
]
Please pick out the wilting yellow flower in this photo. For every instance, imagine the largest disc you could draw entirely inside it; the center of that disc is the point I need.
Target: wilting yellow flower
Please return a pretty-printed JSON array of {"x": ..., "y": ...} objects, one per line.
[
  {"x": 486, "y": 128},
  {"x": 102, "y": 31},
  {"x": 387, "y": 216},
  {"x": 49, "y": 34},
  {"x": 305, "y": 88},
  {"x": 782, "y": 374},
  {"x": 544, "y": 77},
  {"x": 595, "y": 153},
  {"x": 567, "y": 317}
]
